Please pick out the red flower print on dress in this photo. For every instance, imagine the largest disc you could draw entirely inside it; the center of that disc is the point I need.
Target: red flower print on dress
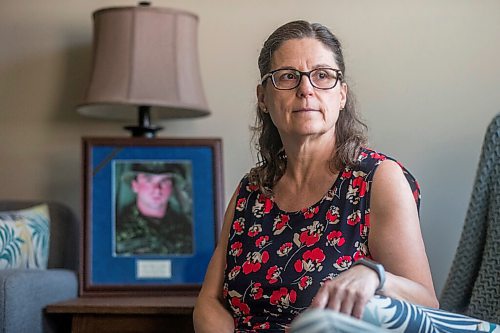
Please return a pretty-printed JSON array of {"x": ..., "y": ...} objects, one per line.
[
  {"x": 268, "y": 203},
  {"x": 358, "y": 255},
  {"x": 352, "y": 194},
  {"x": 239, "y": 308},
  {"x": 365, "y": 227},
  {"x": 363, "y": 230},
  {"x": 305, "y": 282},
  {"x": 236, "y": 249},
  {"x": 285, "y": 249},
  {"x": 254, "y": 230},
  {"x": 261, "y": 241},
  {"x": 246, "y": 320},
  {"x": 283, "y": 298},
  {"x": 273, "y": 274},
  {"x": 311, "y": 234},
  {"x": 225, "y": 290},
  {"x": 377, "y": 156},
  {"x": 367, "y": 217},
  {"x": 254, "y": 261},
  {"x": 240, "y": 204},
  {"x": 262, "y": 206},
  {"x": 361, "y": 251},
  {"x": 354, "y": 218},
  {"x": 357, "y": 187},
  {"x": 416, "y": 195},
  {"x": 239, "y": 226},
  {"x": 330, "y": 195},
  {"x": 256, "y": 291},
  {"x": 335, "y": 238},
  {"x": 361, "y": 184},
  {"x": 234, "y": 272},
  {"x": 333, "y": 215},
  {"x": 343, "y": 263},
  {"x": 251, "y": 187},
  {"x": 280, "y": 223},
  {"x": 311, "y": 260},
  {"x": 261, "y": 326},
  {"x": 310, "y": 212},
  {"x": 363, "y": 155},
  {"x": 346, "y": 174},
  {"x": 329, "y": 277}
]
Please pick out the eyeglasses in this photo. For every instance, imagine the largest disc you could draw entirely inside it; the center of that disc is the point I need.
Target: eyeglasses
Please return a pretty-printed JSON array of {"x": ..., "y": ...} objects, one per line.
[{"x": 287, "y": 79}]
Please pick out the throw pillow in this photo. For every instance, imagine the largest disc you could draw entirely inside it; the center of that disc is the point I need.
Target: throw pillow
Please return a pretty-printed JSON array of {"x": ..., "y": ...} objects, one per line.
[{"x": 24, "y": 238}]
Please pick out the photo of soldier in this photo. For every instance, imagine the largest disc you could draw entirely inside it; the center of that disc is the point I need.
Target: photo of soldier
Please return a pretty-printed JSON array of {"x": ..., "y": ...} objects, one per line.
[{"x": 157, "y": 220}]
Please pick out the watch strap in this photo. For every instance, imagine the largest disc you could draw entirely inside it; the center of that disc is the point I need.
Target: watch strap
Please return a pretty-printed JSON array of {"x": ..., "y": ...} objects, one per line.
[{"x": 378, "y": 268}]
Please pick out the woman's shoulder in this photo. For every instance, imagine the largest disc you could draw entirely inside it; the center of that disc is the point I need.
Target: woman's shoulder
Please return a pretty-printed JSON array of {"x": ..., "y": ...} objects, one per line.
[{"x": 370, "y": 160}]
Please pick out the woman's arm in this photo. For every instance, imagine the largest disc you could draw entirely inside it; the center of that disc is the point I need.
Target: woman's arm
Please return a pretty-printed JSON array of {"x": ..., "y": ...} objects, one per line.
[
  {"x": 209, "y": 315},
  {"x": 395, "y": 241}
]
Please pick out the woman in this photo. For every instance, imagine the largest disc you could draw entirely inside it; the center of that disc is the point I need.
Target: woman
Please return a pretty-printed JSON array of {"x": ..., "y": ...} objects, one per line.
[{"x": 314, "y": 205}]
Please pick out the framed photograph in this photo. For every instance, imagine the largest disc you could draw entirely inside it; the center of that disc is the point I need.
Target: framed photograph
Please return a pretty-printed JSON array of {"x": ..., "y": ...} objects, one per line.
[{"x": 152, "y": 213}]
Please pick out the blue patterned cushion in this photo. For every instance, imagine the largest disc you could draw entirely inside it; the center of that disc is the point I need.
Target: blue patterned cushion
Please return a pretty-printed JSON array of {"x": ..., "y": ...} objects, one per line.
[{"x": 24, "y": 238}]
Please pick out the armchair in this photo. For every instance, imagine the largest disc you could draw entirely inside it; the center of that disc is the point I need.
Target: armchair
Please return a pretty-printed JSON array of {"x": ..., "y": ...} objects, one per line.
[
  {"x": 25, "y": 292},
  {"x": 472, "y": 286}
]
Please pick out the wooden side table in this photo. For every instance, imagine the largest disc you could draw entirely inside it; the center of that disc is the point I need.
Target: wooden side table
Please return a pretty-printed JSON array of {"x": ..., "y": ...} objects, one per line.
[{"x": 124, "y": 314}]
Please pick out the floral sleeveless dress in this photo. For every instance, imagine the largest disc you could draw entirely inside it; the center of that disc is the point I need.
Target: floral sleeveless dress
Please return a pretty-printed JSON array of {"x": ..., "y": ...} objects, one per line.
[{"x": 277, "y": 260}]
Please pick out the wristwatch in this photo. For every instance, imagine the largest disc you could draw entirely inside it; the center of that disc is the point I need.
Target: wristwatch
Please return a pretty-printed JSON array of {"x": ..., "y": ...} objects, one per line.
[{"x": 378, "y": 268}]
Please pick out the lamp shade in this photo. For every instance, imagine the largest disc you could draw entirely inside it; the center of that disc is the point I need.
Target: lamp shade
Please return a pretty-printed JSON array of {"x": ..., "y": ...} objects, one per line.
[{"x": 144, "y": 56}]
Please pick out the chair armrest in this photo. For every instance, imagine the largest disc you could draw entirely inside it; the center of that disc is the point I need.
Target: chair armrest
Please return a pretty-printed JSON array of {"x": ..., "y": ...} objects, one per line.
[{"x": 24, "y": 293}]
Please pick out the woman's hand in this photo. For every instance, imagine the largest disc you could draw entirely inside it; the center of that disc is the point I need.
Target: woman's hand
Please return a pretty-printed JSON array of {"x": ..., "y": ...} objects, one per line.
[{"x": 349, "y": 292}]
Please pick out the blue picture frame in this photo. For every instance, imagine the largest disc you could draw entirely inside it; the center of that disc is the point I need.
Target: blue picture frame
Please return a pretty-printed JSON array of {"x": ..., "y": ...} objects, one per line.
[{"x": 172, "y": 260}]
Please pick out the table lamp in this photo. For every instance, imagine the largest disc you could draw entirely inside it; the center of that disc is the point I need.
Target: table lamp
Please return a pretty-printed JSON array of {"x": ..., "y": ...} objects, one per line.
[{"x": 145, "y": 64}]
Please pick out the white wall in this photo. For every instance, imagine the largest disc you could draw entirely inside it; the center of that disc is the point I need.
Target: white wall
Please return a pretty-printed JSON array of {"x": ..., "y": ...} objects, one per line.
[{"x": 426, "y": 76}]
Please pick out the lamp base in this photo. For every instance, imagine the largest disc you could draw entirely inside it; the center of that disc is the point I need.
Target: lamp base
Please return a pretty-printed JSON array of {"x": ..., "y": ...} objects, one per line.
[
  {"x": 144, "y": 128},
  {"x": 143, "y": 131}
]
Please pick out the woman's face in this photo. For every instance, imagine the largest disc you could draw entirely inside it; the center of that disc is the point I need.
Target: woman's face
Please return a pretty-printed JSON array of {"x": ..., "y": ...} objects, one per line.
[{"x": 305, "y": 110}]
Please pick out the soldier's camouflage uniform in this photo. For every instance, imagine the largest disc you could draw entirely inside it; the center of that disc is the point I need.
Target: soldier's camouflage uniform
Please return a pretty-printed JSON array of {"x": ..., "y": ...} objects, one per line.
[{"x": 138, "y": 234}]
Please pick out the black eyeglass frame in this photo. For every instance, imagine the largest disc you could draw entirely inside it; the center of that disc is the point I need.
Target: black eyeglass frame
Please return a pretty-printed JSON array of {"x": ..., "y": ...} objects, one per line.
[{"x": 308, "y": 74}]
